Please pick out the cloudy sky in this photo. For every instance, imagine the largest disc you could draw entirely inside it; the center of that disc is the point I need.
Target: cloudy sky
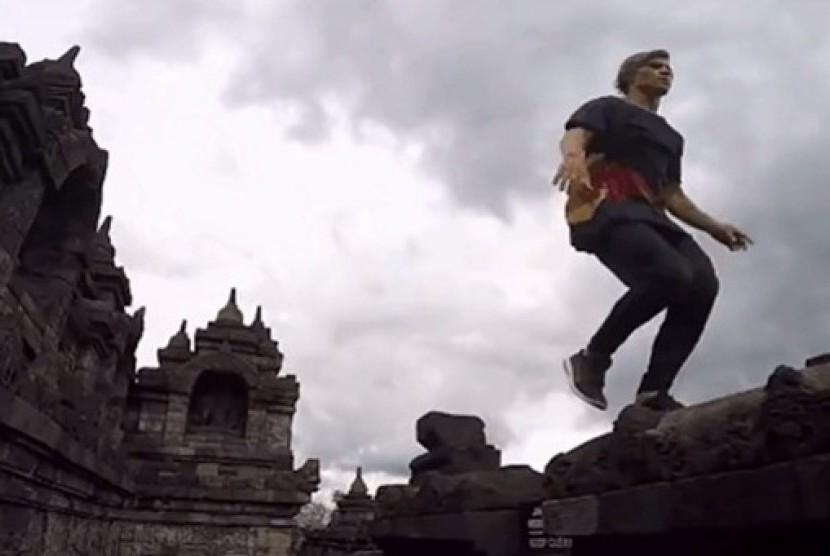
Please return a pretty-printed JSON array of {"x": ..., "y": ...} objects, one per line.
[{"x": 376, "y": 174}]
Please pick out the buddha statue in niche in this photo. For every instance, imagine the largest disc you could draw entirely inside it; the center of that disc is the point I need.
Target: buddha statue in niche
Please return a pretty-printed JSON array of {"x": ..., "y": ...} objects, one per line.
[{"x": 219, "y": 403}]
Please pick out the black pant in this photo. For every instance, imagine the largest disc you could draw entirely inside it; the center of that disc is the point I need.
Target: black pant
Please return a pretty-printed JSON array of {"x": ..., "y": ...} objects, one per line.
[{"x": 663, "y": 270}]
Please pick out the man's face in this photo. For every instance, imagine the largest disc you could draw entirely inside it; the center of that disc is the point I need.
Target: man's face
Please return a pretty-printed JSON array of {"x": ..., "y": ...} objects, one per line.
[{"x": 655, "y": 76}]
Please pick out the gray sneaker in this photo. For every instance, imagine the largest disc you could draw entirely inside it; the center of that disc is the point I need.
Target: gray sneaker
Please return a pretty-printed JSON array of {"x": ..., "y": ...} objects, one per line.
[
  {"x": 586, "y": 377},
  {"x": 658, "y": 401}
]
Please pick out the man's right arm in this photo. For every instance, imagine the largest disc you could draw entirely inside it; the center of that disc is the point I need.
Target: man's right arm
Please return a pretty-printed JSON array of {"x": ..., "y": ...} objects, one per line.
[
  {"x": 574, "y": 142},
  {"x": 574, "y": 167},
  {"x": 588, "y": 120}
]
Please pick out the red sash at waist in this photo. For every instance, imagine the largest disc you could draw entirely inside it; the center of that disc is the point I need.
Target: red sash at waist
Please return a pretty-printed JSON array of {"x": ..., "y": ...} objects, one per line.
[{"x": 621, "y": 183}]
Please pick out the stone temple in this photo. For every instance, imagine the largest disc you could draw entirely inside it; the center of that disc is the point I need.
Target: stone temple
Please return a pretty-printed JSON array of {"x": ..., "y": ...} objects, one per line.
[{"x": 98, "y": 458}]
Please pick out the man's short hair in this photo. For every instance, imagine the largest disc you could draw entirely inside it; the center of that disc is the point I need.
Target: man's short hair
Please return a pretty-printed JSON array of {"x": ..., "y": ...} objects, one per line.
[{"x": 634, "y": 62}]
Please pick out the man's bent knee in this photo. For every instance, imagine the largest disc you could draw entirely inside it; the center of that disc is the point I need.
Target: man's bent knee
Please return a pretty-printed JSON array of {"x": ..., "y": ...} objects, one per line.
[
  {"x": 676, "y": 281},
  {"x": 706, "y": 283},
  {"x": 703, "y": 292}
]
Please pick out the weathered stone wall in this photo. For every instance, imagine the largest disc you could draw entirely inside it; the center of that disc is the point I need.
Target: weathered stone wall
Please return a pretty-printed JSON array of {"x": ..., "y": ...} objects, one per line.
[
  {"x": 35, "y": 532},
  {"x": 56, "y": 497},
  {"x": 152, "y": 539},
  {"x": 27, "y": 531}
]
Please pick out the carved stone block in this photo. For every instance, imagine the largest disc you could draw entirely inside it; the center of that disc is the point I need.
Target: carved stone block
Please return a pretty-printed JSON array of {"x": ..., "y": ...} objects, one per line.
[
  {"x": 277, "y": 431},
  {"x": 437, "y": 430}
]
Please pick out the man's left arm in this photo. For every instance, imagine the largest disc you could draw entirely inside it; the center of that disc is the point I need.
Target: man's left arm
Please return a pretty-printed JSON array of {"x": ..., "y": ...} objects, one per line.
[
  {"x": 683, "y": 208},
  {"x": 680, "y": 206}
]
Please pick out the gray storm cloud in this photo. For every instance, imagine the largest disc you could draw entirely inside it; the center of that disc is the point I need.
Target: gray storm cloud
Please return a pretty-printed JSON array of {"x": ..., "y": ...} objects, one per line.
[{"x": 483, "y": 89}]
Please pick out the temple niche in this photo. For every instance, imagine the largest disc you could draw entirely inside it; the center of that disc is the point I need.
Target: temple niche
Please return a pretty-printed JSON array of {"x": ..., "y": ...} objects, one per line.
[
  {"x": 206, "y": 417},
  {"x": 200, "y": 434},
  {"x": 218, "y": 404}
]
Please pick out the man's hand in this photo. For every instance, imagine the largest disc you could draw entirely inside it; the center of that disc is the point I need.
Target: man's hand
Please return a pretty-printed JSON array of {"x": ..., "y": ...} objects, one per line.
[
  {"x": 679, "y": 205},
  {"x": 731, "y": 237},
  {"x": 573, "y": 171}
]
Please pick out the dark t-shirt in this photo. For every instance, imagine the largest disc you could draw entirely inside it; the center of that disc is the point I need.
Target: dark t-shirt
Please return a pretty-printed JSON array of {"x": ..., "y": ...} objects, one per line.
[{"x": 633, "y": 137}]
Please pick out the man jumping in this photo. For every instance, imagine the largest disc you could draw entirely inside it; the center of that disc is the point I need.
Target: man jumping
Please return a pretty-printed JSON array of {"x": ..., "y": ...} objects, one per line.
[{"x": 621, "y": 169}]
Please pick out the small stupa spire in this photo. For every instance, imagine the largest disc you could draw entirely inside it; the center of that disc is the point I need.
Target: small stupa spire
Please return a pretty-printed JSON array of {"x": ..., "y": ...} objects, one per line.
[
  {"x": 358, "y": 488},
  {"x": 68, "y": 57},
  {"x": 180, "y": 339},
  {"x": 105, "y": 226},
  {"x": 101, "y": 245},
  {"x": 230, "y": 313},
  {"x": 258, "y": 325},
  {"x": 139, "y": 314}
]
